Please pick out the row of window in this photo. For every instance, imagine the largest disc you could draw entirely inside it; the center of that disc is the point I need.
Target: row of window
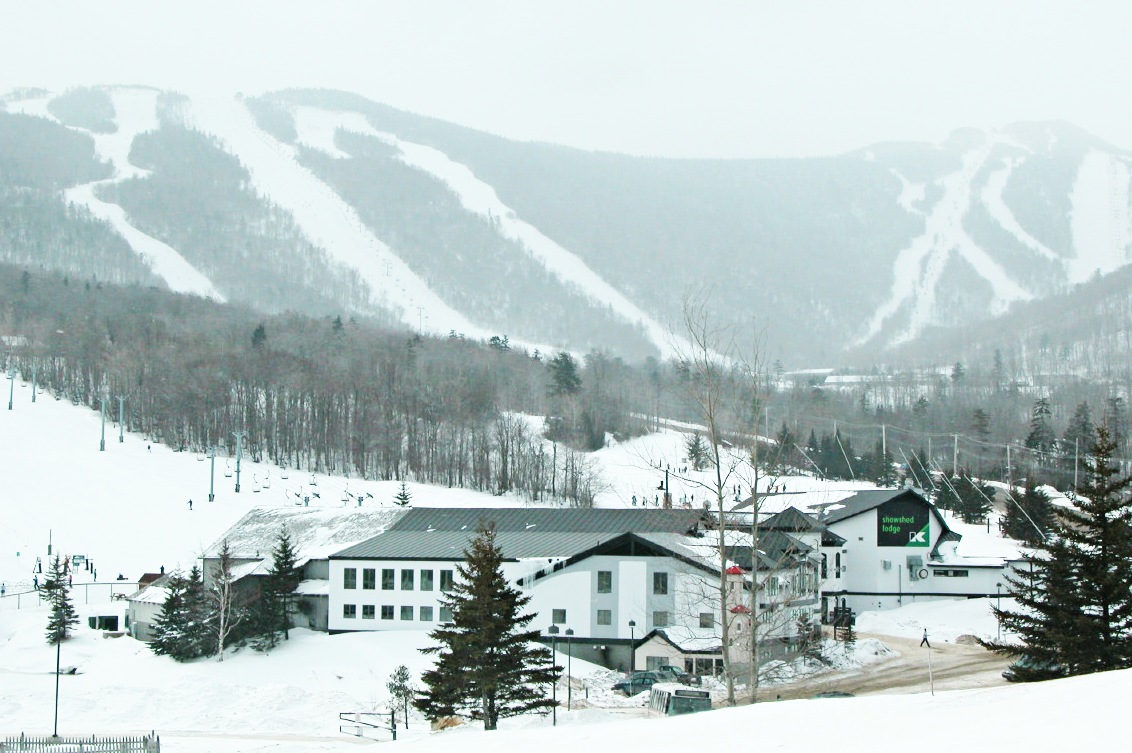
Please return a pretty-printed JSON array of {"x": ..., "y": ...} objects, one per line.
[
  {"x": 605, "y": 617},
  {"x": 950, "y": 573},
  {"x": 369, "y": 612},
  {"x": 605, "y": 582},
  {"x": 388, "y": 579}
]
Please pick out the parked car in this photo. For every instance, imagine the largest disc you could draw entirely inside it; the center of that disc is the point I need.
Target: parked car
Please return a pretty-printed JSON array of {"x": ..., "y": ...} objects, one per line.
[
  {"x": 672, "y": 673},
  {"x": 1029, "y": 666},
  {"x": 638, "y": 682}
]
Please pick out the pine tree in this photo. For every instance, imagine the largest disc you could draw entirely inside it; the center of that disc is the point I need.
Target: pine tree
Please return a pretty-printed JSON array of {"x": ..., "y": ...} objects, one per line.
[
  {"x": 270, "y": 616},
  {"x": 564, "y": 375},
  {"x": 1079, "y": 433},
  {"x": 57, "y": 589},
  {"x": 181, "y": 630},
  {"x": 402, "y": 690},
  {"x": 696, "y": 450},
  {"x": 974, "y": 498},
  {"x": 403, "y": 497},
  {"x": 980, "y": 425},
  {"x": 1029, "y": 517},
  {"x": 1075, "y": 613},
  {"x": 1041, "y": 437},
  {"x": 486, "y": 668}
]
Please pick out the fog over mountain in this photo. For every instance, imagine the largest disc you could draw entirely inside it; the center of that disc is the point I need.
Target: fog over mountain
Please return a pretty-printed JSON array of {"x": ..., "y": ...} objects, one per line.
[
  {"x": 839, "y": 178},
  {"x": 329, "y": 203}
]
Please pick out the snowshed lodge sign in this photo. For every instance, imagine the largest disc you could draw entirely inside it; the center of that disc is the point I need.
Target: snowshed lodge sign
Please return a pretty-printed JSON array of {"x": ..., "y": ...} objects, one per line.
[{"x": 903, "y": 522}]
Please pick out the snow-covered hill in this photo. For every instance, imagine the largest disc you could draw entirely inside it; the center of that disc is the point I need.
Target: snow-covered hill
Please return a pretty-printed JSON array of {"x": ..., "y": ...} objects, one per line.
[
  {"x": 126, "y": 508},
  {"x": 447, "y": 229}
]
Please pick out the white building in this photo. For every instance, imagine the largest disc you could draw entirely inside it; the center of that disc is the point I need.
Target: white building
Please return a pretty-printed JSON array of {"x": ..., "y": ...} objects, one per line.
[{"x": 885, "y": 548}]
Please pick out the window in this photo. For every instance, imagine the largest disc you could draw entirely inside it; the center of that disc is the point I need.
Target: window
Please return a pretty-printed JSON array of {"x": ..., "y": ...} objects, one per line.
[
  {"x": 950, "y": 573},
  {"x": 772, "y": 586},
  {"x": 445, "y": 580},
  {"x": 407, "y": 580},
  {"x": 387, "y": 579},
  {"x": 558, "y": 616},
  {"x": 406, "y": 613},
  {"x": 445, "y": 613},
  {"x": 349, "y": 611},
  {"x": 707, "y": 620},
  {"x": 426, "y": 580},
  {"x": 387, "y": 611},
  {"x": 369, "y": 579},
  {"x": 837, "y": 565},
  {"x": 605, "y": 581},
  {"x": 605, "y": 616},
  {"x": 824, "y": 566},
  {"x": 350, "y": 577},
  {"x": 660, "y": 583},
  {"x": 369, "y": 611},
  {"x": 660, "y": 619},
  {"x": 426, "y": 614}
]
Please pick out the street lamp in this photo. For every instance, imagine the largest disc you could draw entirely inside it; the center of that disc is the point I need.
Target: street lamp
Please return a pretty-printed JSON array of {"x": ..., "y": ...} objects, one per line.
[
  {"x": 569, "y": 665},
  {"x": 632, "y": 648},
  {"x": 998, "y": 590},
  {"x": 553, "y": 630}
]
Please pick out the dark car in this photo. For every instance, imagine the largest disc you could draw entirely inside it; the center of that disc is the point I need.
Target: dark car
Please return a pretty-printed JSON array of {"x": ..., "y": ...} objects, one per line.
[
  {"x": 637, "y": 682},
  {"x": 672, "y": 673},
  {"x": 1027, "y": 669}
]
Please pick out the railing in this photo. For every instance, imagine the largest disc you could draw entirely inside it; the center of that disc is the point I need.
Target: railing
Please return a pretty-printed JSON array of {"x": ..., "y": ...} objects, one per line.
[
  {"x": 150, "y": 743},
  {"x": 81, "y": 593}
]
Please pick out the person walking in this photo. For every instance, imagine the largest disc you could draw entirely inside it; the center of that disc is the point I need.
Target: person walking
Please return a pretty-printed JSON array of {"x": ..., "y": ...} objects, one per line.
[
  {"x": 190, "y": 504},
  {"x": 924, "y": 641}
]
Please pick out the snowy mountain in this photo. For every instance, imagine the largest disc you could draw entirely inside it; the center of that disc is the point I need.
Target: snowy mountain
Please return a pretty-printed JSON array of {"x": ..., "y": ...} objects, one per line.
[{"x": 328, "y": 203}]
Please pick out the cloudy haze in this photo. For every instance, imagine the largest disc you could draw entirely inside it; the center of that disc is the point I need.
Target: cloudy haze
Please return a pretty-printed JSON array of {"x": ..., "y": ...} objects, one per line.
[{"x": 719, "y": 79}]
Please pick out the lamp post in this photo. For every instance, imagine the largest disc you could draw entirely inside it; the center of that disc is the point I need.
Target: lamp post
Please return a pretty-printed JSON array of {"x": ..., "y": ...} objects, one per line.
[
  {"x": 553, "y": 630},
  {"x": 998, "y": 590},
  {"x": 632, "y": 647},
  {"x": 569, "y": 666}
]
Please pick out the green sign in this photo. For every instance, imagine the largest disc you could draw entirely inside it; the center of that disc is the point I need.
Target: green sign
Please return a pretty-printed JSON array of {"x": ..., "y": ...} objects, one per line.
[{"x": 903, "y": 522}]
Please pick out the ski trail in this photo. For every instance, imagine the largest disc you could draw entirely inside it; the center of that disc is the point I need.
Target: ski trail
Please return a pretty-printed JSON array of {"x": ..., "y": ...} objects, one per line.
[
  {"x": 317, "y": 129},
  {"x": 1102, "y": 216},
  {"x": 325, "y": 219},
  {"x": 918, "y": 268},
  {"x": 136, "y": 113},
  {"x": 991, "y": 197}
]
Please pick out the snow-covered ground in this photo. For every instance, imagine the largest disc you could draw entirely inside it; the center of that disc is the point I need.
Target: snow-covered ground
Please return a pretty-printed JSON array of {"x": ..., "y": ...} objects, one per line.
[{"x": 127, "y": 509}]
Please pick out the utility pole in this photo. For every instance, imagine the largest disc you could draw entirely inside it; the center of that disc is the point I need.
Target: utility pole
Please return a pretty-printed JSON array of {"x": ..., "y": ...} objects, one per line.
[
  {"x": 102, "y": 442},
  {"x": 883, "y": 441},
  {"x": 34, "y": 373},
  {"x": 955, "y": 456},
  {"x": 121, "y": 419},
  {"x": 1076, "y": 456},
  {"x": 212, "y": 473},
  {"x": 1009, "y": 478},
  {"x": 11, "y": 386},
  {"x": 239, "y": 450}
]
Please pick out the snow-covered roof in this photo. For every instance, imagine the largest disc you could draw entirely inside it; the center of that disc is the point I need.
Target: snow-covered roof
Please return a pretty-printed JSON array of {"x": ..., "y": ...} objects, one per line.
[
  {"x": 316, "y": 587},
  {"x": 315, "y": 532}
]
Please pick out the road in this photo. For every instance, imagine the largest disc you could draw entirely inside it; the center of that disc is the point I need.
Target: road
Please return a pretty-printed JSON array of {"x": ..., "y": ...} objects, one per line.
[{"x": 953, "y": 667}]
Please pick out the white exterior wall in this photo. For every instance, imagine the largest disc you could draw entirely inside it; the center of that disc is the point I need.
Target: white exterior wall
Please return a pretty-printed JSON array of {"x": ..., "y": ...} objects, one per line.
[
  {"x": 573, "y": 589},
  {"x": 871, "y": 584},
  {"x": 378, "y": 597}
]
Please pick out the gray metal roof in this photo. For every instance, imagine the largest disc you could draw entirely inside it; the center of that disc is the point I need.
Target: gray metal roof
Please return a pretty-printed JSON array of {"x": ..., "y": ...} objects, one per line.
[
  {"x": 863, "y": 501},
  {"x": 564, "y": 520},
  {"x": 450, "y": 545},
  {"x": 521, "y": 533}
]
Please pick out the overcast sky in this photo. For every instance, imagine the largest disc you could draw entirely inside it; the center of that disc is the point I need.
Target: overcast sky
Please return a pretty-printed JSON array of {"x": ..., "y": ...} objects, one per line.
[{"x": 717, "y": 79}]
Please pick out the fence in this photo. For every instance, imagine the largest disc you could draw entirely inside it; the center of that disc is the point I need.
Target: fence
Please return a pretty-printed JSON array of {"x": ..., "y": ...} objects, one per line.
[
  {"x": 81, "y": 593},
  {"x": 150, "y": 743}
]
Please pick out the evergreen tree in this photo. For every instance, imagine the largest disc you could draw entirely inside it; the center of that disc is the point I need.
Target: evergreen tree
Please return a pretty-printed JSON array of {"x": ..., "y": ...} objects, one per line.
[
  {"x": 402, "y": 690},
  {"x": 973, "y": 498},
  {"x": 1029, "y": 517},
  {"x": 1075, "y": 617},
  {"x": 1079, "y": 433},
  {"x": 696, "y": 450},
  {"x": 980, "y": 425},
  {"x": 1117, "y": 422},
  {"x": 1041, "y": 437},
  {"x": 403, "y": 497},
  {"x": 564, "y": 376},
  {"x": 270, "y": 616},
  {"x": 486, "y": 668},
  {"x": 57, "y": 591},
  {"x": 180, "y": 631}
]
